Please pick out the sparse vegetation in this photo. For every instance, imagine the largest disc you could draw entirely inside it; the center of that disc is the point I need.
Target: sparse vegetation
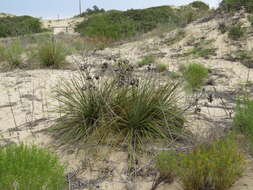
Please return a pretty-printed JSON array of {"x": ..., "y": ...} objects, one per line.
[
  {"x": 222, "y": 27},
  {"x": 209, "y": 166},
  {"x": 243, "y": 121},
  {"x": 29, "y": 167},
  {"x": 245, "y": 57},
  {"x": 236, "y": 32},
  {"x": 195, "y": 74},
  {"x": 146, "y": 60},
  {"x": 179, "y": 35},
  {"x": 161, "y": 67},
  {"x": 19, "y": 25},
  {"x": 203, "y": 48},
  {"x": 52, "y": 54}
]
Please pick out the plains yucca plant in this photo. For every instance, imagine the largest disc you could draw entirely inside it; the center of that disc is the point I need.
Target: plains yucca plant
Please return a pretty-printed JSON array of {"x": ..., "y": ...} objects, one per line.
[
  {"x": 129, "y": 115},
  {"x": 52, "y": 54},
  {"x": 26, "y": 167},
  {"x": 209, "y": 166},
  {"x": 195, "y": 75},
  {"x": 83, "y": 106}
]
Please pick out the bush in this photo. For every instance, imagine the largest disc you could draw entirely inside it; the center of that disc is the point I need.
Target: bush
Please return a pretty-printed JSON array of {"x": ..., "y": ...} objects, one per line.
[
  {"x": 195, "y": 75},
  {"x": 29, "y": 167},
  {"x": 243, "y": 121},
  {"x": 210, "y": 166},
  {"x": 233, "y": 5},
  {"x": 52, "y": 54},
  {"x": 199, "y": 5},
  {"x": 236, "y": 32},
  {"x": 19, "y": 25},
  {"x": 12, "y": 54},
  {"x": 118, "y": 115},
  {"x": 146, "y": 60}
]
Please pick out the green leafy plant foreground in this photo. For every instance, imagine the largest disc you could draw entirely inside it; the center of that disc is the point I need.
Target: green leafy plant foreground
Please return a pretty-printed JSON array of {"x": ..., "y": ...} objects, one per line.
[
  {"x": 26, "y": 167},
  {"x": 209, "y": 166}
]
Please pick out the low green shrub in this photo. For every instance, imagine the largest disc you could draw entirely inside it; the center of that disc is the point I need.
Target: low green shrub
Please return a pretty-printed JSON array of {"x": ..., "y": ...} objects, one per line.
[
  {"x": 179, "y": 35},
  {"x": 29, "y": 167},
  {"x": 114, "y": 25},
  {"x": 52, "y": 54},
  {"x": 195, "y": 74},
  {"x": 245, "y": 57},
  {"x": 202, "y": 48},
  {"x": 146, "y": 60},
  {"x": 210, "y": 166},
  {"x": 199, "y": 5},
  {"x": 236, "y": 32},
  {"x": 129, "y": 115},
  {"x": 19, "y": 25},
  {"x": 202, "y": 52}
]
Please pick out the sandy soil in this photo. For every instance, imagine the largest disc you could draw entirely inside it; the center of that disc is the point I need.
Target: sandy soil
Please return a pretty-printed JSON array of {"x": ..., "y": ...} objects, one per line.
[{"x": 26, "y": 102}]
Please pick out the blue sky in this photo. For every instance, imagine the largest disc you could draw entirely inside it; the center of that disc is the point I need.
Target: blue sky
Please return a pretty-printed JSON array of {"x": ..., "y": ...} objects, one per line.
[{"x": 68, "y": 8}]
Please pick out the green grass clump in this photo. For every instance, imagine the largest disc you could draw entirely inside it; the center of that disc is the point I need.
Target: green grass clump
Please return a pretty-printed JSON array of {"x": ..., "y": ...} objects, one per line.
[
  {"x": 243, "y": 121},
  {"x": 25, "y": 167},
  {"x": 195, "y": 75},
  {"x": 12, "y": 54},
  {"x": 52, "y": 54},
  {"x": 19, "y": 25},
  {"x": 160, "y": 67},
  {"x": 210, "y": 166},
  {"x": 146, "y": 60},
  {"x": 236, "y": 32},
  {"x": 250, "y": 19},
  {"x": 126, "y": 115}
]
